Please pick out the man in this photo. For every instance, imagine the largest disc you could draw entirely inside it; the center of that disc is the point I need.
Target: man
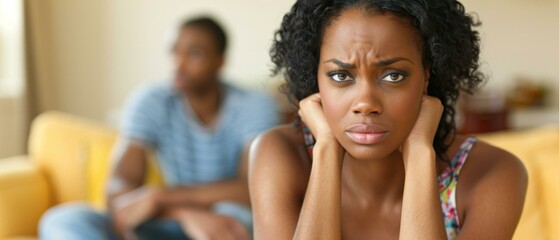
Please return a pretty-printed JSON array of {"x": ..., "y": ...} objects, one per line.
[{"x": 200, "y": 128}]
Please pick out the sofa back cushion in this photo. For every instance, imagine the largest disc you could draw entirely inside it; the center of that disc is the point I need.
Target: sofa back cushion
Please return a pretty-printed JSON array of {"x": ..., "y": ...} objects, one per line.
[
  {"x": 73, "y": 153},
  {"x": 97, "y": 171},
  {"x": 527, "y": 145},
  {"x": 548, "y": 160}
]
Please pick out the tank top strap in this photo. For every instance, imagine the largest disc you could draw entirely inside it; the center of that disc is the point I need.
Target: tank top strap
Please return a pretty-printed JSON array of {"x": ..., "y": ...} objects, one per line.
[{"x": 458, "y": 161}]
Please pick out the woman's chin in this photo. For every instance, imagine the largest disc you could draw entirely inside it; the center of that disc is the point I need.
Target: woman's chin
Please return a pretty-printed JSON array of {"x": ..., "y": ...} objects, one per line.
[{"x": 370, "y": 153}]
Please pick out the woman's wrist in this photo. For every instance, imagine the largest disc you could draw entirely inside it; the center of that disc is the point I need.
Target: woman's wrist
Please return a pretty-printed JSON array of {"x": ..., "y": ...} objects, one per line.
[
  {"x": 409, "y": 147},
  {"x": 329, "y": 142},
  {"x": 418, "y": 154},
  {"x": 326, "y": 139},
  {"x": 328, "y": 148}
]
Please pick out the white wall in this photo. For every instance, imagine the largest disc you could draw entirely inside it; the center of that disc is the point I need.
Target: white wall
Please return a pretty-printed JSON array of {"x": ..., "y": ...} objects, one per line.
[
  {"x": 94, "y": 53},
  {"x": 11, "y": 47},
  {"x": 519, "y": 38}
]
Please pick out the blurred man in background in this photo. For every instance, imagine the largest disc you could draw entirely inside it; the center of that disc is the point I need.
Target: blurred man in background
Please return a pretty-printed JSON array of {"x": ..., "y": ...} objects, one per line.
[{"x": 200, "y": 128}]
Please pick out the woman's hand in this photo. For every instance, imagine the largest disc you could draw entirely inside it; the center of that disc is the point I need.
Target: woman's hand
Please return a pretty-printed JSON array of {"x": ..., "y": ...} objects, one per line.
[
  {"x": 425, "y": 128},
  {"x": 312, "y": 114}
]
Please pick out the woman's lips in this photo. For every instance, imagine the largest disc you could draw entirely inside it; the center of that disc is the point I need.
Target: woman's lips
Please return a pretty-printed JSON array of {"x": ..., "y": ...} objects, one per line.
[{"x": 366, "y": 133}]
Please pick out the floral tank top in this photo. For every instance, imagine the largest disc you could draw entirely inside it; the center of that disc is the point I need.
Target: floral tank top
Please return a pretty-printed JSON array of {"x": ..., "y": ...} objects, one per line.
[{"x": 447, "y": 182}]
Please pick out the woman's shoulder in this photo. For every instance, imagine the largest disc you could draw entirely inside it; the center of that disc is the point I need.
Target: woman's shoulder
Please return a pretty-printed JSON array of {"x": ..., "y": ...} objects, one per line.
[
  {"x": 485, "y": 160},
  {"x": 284, "y": 138},
  {"x": 491, "y": 173},
  {"x": 282, "y": 151}
]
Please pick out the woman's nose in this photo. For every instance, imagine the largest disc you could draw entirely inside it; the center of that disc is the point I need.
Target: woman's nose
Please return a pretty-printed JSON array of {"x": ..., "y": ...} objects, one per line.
[{"x": 367, "y": 101}]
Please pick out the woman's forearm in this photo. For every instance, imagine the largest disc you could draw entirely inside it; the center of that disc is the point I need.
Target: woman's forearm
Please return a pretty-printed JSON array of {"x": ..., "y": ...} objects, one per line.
[
  {"x": 421, "y": 207},
  {"x": 321, "y": 211}
]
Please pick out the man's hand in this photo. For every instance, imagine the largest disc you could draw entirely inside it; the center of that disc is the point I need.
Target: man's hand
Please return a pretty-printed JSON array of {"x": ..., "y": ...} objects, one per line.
[
  {"x": 201, "y": 224},
  {"x": 133, "y": 208}
]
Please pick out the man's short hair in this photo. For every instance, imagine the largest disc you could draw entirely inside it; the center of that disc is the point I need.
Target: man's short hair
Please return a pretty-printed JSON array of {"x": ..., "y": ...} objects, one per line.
[{"x": 209, "y": 24}]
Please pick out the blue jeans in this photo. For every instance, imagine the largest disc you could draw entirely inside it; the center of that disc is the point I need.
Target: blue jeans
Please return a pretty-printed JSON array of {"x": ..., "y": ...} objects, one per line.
[{"x": 79, "y": 221}]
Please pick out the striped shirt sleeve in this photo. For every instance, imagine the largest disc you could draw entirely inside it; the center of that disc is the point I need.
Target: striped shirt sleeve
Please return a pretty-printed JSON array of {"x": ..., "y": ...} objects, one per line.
[{"x": 142, "y": 114}]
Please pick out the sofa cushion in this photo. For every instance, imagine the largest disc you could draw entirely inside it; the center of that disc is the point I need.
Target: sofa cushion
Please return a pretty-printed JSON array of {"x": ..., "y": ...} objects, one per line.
[
  {"x": 24, "y": 196},
  {"x": 548, "y": 160},
  {"x": 97, "y": 170},
  {"x": 20, "y": 238},
  {"x": 59, "y": 145},
  {"x": 526, "y": 145}
]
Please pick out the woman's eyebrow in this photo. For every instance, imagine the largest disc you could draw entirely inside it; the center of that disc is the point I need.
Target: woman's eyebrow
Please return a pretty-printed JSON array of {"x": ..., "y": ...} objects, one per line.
[
  {"x": 386, "y": 62},
  {"x": 380, "y": 63},
  {"x": 341, "y": 64}
]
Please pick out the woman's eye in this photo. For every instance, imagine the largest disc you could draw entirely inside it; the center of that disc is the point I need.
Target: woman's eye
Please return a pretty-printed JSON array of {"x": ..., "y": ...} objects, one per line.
[
  {"x": 340, "y": 77},
  {"x": 393, "y": 77}
]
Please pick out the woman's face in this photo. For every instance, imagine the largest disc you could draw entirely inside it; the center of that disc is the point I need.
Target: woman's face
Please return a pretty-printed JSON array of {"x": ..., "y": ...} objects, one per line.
[{"x": 371, "y": 80}]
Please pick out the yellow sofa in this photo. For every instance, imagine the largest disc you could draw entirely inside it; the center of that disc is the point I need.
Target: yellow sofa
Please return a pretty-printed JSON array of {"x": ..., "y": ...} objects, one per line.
[
  {"x": 539, "y": 151},
  {"x": 68, "y": 161}
]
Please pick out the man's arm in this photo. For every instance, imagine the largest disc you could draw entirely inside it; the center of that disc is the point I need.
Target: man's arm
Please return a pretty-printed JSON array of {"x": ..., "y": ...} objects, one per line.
[
  {"x": 128, "y": 170},
  {"x": 128, "y": 202},
  {"x": 140, "y": 124},
  {"x": 191, "y": 206},
  {"x": 204, "y": 196}
]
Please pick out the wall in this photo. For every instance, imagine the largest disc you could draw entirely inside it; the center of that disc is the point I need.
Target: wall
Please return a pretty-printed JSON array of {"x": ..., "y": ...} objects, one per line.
[
  {"x": 12, "y": 79},
  {"x": 519, "y": 38},
  {"x": 12, "y": 126},
  {"x": 95, "y": 53}
]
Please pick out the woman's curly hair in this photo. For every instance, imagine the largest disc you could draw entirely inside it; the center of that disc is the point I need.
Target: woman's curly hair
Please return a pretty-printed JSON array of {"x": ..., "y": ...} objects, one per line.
[{"x": 449, "y": 45}]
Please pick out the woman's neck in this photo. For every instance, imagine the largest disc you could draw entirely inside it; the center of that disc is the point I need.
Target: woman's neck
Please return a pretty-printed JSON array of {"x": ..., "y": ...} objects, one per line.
[{"x": 371, "y": 181}]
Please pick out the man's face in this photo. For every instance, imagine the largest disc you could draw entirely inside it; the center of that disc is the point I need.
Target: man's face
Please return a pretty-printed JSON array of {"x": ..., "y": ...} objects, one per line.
[{"x": 197, "y": 59}]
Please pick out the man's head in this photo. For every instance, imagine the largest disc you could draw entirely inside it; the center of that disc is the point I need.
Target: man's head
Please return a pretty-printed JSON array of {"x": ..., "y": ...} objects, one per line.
[{"x": 199, "y": 54}]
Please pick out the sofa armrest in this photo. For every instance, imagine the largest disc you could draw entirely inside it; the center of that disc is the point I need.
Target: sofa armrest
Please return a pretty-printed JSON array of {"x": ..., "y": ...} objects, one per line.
[
  {"x": 24, "y": 197},
  {"x": 548, "y": 164}
]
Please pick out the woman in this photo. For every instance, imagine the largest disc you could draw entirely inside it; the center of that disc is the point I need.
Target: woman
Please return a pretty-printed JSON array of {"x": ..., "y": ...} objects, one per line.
[{"x": 376, "y": 155}]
